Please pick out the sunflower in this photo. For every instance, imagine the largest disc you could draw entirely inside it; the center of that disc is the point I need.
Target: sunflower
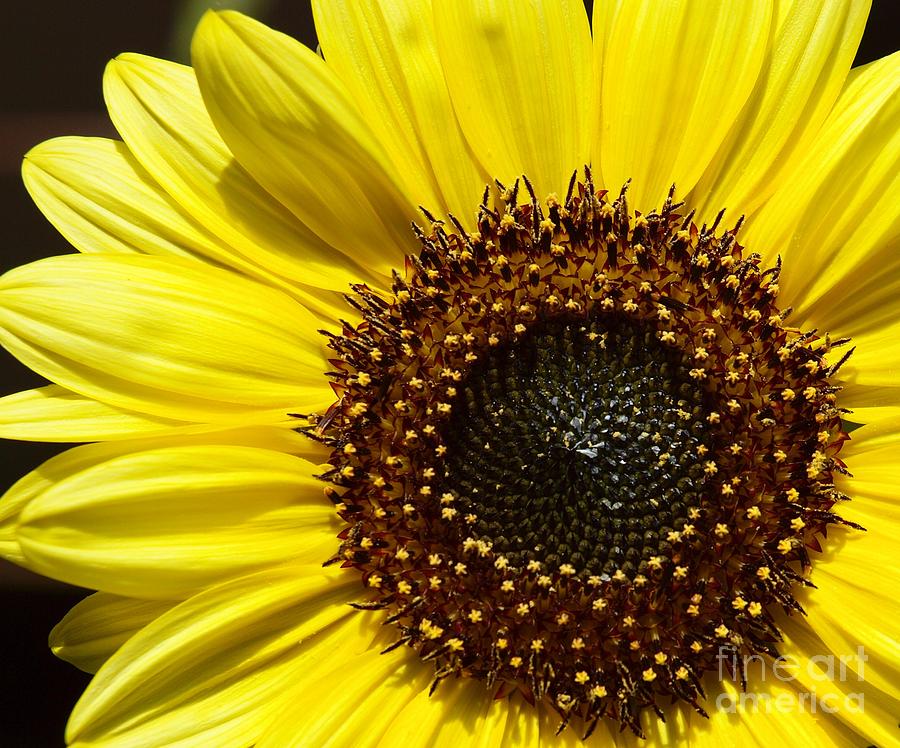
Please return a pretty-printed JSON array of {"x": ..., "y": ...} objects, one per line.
[{"x": 484, "y": 382}]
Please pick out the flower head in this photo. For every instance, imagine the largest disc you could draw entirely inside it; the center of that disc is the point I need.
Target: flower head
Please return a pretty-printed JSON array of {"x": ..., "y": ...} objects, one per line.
[{"x": 574, "y": 445}]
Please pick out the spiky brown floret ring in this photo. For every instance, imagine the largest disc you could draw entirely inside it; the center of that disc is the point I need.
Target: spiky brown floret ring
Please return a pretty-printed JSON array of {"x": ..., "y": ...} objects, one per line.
[{"x": 580, "y": 452}]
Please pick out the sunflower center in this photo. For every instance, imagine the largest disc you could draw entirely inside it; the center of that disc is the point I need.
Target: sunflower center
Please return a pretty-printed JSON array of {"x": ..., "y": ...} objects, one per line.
[
  {"x": 578, "y": 445},
  {"x": 579, "y": 452}
]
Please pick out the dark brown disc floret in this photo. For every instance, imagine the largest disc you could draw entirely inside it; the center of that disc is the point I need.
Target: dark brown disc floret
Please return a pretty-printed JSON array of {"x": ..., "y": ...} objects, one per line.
[{"x": 580, "y": 452}]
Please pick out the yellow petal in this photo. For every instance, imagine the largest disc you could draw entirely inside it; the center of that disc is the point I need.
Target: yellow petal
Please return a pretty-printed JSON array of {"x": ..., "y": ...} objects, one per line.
[
  {"x": 520, "y": 79},
  {"x": 836, "y": 222},
  {"x": 460, "y": 712},
  {"x": 165, "y": 522},
  {"x": 162, "y": 336},
  {"x": 770, "y": 712},
  {"x": 675, "y": 77},
  {"x": 876, "y": 359},
  {"x": 102, "y": 200},
  {"x": 602, "y": 21},
  {"x": 802, "y": 76},
  {"x": 549, "y": 721},
  {"x": 157, "y": 108},
  {"x": 9, "y": 546},
  {"x": 291, "y": 123},
  {"x": 863, "y": 398},
  {"x": 87, "y": 455},
  {"x": 676, "y": 729},
  {"x": 522, "y": 725},
  {"x": 854, "y": 606},
  {"x": 387, "y": 57},
  {"x": 726, "y": 725},
  {"x": 97, "y": 195},
  {"x": 866, "y": 713},
  {"x": 351, "y": 704},
  {"x": 884, "y": 413},
  {"x": 873, "y": 491},
  {"x": 80, "y": 458},
  {"x": 860, "y": 573},
  {"x": 54, "y": 414},
  {"x": 99, "y": 625},
  {"x": 871, "y": 453},
  {"x": 11, "y": 506},
  {"x": 212, "y": 670}
]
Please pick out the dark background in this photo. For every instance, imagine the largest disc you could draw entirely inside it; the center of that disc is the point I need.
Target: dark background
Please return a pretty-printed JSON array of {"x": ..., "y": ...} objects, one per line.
[{"x": 52, "y": 55}]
